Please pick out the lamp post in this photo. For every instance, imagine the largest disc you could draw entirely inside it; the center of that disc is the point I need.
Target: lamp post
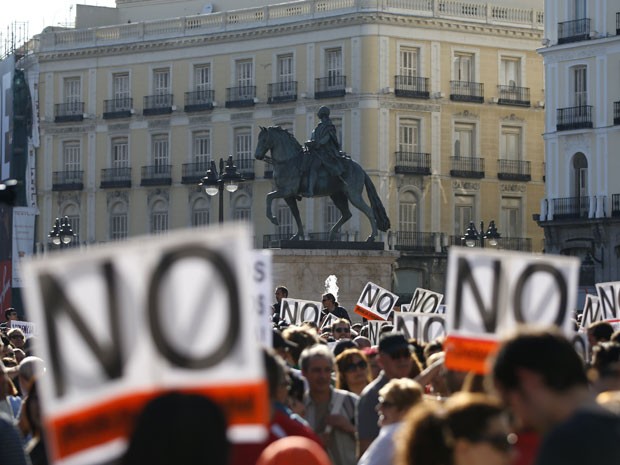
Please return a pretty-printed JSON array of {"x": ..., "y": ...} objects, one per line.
[
  {"x": 214, "y": 183},
  {"x": 61, "y": 235},
  {"x": 472, "y": 235}
]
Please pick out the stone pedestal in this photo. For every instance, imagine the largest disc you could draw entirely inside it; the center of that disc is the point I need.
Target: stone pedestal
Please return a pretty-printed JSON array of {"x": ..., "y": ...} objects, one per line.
[{"x": 304, "y": 272}]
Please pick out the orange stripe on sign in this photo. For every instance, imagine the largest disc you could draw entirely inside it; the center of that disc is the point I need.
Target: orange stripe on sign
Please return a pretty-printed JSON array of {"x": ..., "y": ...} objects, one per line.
[
  {"x": 367, "y": 314},
  {"x": 468, "y": 354},
  {"x": 114, "y": 418}
]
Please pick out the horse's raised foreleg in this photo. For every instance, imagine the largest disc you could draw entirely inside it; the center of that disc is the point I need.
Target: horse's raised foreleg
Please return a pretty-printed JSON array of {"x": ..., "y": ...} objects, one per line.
[
  {"x": 342, "y": 203},
  {"x": 292, "y": 204}
]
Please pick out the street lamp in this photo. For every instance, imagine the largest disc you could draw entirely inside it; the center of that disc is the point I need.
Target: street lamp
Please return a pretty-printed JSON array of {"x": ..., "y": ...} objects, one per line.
[
  {"x": 61, "y": 234},
  {"x": 214, "y": 183},
  {"x": 472, "y": 235}
]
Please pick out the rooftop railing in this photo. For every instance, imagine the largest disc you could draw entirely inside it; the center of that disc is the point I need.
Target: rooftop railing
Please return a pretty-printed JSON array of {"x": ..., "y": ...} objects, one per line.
[{"x": 283, "y": 13}]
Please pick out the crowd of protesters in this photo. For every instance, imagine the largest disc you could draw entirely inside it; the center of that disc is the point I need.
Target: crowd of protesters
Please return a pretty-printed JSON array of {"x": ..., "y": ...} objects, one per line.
[{"x": 336, "y": 399}]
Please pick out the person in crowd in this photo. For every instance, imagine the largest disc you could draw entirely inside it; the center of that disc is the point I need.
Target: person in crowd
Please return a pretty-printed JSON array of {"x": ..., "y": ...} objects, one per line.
[
  {"x": 432, "y": 347},
  {"x": 331, "y": 306},
  {"x": 29, "y": 369},
  {"x": 395, "y": 400},
  {"x": 303, "y": 338},
  {"x": 372, "y": 355},
  {"x": 341, "y": 329},
  {"x": 11, "y": 449},
  {"x": 283, "y": 346},
  {"x": 599, "y": 331},
  {"x": 172, "y": 429},
  {"x": 16, "y": 338},
  {"x": 295, "y": 400},
  {"x": 10, "y": 402},
  {"x": 395, "y": 360},
  {"x": 362, "y": 342},
  {"x": 293, "y": 450},
  {"x": 540, "y": 376},
  {"x": 330, "y": 412},
  {"x": 280, "y": 293},
  {"x": 35, "y": 446},
  {"x": 353, "y": 372},
  {"x": 10, "y": 314},
  {"x": 605, "y": 371},
  {"x": 615, "y": 337},
  {"x": 418, "y": 349},
  {"x": 342, "y": 345},
  {"x": 470, "y": 429}
]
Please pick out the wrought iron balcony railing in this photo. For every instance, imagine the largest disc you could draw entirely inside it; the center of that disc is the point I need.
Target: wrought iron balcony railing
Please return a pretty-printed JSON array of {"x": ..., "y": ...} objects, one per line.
[
  {"x": 618, "y": 24},
  {"x": 200, "y": 100},
  {"x": 571, "y": 207},
  {"x": 513, "y": 95},
  {"x": 69, "y": 180},
  {"x": 116, "y": 177},
  {"x": 513, "y": 170},
  {"x": 574, "y": 31},
  {"x": 414, "y": 241},
  {"x": 70, "y": 111},
  {"x": 616, "y": 113},
  {"x": 192, "y": 173},
  {"x": 615, "y": 205},
  {"x": 156, "y": 175},
  {"x": 466, "y": 91},
  {"x": 246, "y": 167},
  {"x": 411, "y": 86},
  {"x": 160, "y": 104},
  {"x": 574, "y": 118},
  {"x": 467, "y": 167},
  {"x": 412, "y": 163},
  {"x": 280, "y": 92},
  {"x": 117, "y": 108},
  {"x": 329, "y": 87},
  {"x": 240, "y": 96},
  {"x": 523, "y": 244}
]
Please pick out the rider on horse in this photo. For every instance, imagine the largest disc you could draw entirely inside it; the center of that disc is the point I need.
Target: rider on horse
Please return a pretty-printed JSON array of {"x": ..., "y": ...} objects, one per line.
[{"x": 324, "y": 144}]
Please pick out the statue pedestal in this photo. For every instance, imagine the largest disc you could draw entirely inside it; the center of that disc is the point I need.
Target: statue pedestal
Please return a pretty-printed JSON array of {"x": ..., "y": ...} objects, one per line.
[
  {"x": 304, "y": 271},
  {"x": 327, "y": 245}
]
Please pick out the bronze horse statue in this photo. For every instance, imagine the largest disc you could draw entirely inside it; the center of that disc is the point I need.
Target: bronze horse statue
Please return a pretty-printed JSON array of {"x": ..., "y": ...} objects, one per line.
[{"x": 289, "y": 164}]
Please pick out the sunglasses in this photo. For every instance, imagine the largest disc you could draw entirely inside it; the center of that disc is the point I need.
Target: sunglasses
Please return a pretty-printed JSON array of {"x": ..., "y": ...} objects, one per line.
[
  {"x": 361, "y": 365},
  {"x": 500, "y": 442},
  {"x": 16, "y": 336},
  {"x": 342, "y": 330},
  {"x": 403, "y": 353}
]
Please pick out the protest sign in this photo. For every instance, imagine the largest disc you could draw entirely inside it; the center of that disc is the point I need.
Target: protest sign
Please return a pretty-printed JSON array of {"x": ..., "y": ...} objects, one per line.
[
  {"x": 425, "y": 301},
  {"x": 263, "y": 286},
  {"x": 375, "y": 303},
  {"x": 27, "y": 327},
  {"x": 491, "y": 292},
  {"x": 425, "y": 327},
  {"x": 296, "y": 311},
  {"x": 123, "y": 323},
  {"x": 591, "y": 311},
  {"x": 374, "y": 330},
  {"x": 326, "y": 324},
  {"x": 609, "y": 300}
]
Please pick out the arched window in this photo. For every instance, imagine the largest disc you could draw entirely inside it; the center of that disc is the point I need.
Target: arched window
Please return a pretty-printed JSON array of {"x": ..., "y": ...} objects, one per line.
[
  {"x": 159, "y": 217},
  {"x": 118, "y": 222},
  {"x": 242, "y": 208},
  {"x": 580, "y": 175},
  {"x": 408, "y": 212},
  {"x": 200, "y": 212}
]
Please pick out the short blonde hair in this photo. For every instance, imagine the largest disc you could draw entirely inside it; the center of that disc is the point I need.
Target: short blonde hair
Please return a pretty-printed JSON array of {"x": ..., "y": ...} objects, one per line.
[{"x": 402, "y": 392}]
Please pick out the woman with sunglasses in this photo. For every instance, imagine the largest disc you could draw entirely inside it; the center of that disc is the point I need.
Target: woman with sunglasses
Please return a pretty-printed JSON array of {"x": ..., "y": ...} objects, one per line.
[
  {"x": 352, "y": 371},
  {"x": 395, "y": 400},
  {"x": 469, "y": 429}
]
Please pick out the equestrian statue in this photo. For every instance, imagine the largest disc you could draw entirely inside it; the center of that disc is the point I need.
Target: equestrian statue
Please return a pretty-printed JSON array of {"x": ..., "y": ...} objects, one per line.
[{"x": 317, "y": 170}]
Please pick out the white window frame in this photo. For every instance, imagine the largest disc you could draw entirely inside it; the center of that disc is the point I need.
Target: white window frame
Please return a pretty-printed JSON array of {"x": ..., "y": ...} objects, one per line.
[
  {"x": 579, "y": 85},
  {"x": 118, "y": 221},
  {"x": 160, "y": 149},
  {"x": 121, "y": 85},
  {"x": 119, "y": 152},
  {"x": 201, "y": 147},
  {"x": 200, "y": 214},
  {"x": 71, "y": 155},
  {"x": 408, "y": 212},
  {"x": 203, "y": 78},
  {"x": 162, "y": 81},
  {"x": 159, "y": 217},
  {"x": 464, "y": 212},
  {"x": 413, "y": 127},
  {"x": 333, "y": 62},
  {"x": 242, "y": 142},
  {"x": 514, "y": 150},
  {"x": 460, "y": 128},
  {"x": 511, "y": 216}
]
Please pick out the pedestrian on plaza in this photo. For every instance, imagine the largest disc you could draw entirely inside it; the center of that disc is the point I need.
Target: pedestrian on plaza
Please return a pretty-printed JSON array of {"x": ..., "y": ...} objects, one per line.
[
  {"x": 330, "y": 412},
  {"x": 394, "y": 357},
  {"x": 540, "y": 376}
]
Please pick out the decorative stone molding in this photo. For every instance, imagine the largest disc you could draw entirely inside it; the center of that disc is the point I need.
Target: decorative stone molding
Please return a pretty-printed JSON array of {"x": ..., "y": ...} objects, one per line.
[
  {"x": 154, "y": 194},
  {"x": 242, "y": 116},
  {"x": 466, "y": 114},
  {"x": 118, "y": 127},
  {"x": 392, "y": 105},
  {"x": 159, "y": 123},
  {"x": 115, "y": 196},
  {"x": 195, "y": 120},
  {"x": 410, "y": 181},
  {"x": 53, "y": 129},
  {"x": 512, "y": 118},
  {"x": 69, "y": 197},
  {"x": 577, "y": 143},
  {"x": 283, "y": 112},
  {"x": 512, "y": 188},
  {"x": 466, "y": 185}
]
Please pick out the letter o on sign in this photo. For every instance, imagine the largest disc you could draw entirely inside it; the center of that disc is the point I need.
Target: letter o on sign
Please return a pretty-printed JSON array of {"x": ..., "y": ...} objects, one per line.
[{"x": 234, "y": 315}]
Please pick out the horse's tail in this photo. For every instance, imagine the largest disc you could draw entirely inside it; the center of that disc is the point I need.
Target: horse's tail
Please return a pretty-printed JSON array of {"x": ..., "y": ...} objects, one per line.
[{"x": 383, "y": 222}]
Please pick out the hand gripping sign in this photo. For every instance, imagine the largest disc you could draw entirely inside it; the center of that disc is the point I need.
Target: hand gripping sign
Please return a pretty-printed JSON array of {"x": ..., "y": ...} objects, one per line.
[
  {"x": 126, "y": 322},
  {"x": 490, "y": 293},
  {"x": 375, "y": 303}
]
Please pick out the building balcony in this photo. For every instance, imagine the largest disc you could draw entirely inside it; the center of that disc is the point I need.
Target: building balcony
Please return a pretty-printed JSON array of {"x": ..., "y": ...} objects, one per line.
[
  {"x": 615, "y": 205},
  {"x": 115, "y": 177},
  {"x": 160, "y": 104},
  {"x": 574, "y": 118},
  {"x": 411, "y": 86},
  {"x": 192, "y": 173},
  {"x": 117, "y": 108},
  {"x": 415, "y": 241},
  {"x": 280, "y": 92},
  {"x": 200, "y": 100},
  {"x": 466, "y": 91},
  {"x": 574, "y": 31},
  {"x": 67, "y": 112},
  {"x": 467, "y": 167},
  {"x": 618, "y": 24},
  {"x": 245, "y": 167},
  {"x": 513, "y": 170},
  {"x": 571, "y": 208},
  {"x": 240, "y": 97},
  {"x": 513, "y": 95},
  {"x": 330, "y": 87},
  {"x": 522, "y": 244},
  {"x": 71, "y": 180},
  {"x": 412, "y": 163},
  {"x": 616, "y": 113},
  {"x": 156, "y": 175}
]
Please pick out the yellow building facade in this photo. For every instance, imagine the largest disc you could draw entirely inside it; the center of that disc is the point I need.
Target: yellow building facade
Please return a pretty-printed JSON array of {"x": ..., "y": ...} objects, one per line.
[{"x": 441, "y": 102}]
